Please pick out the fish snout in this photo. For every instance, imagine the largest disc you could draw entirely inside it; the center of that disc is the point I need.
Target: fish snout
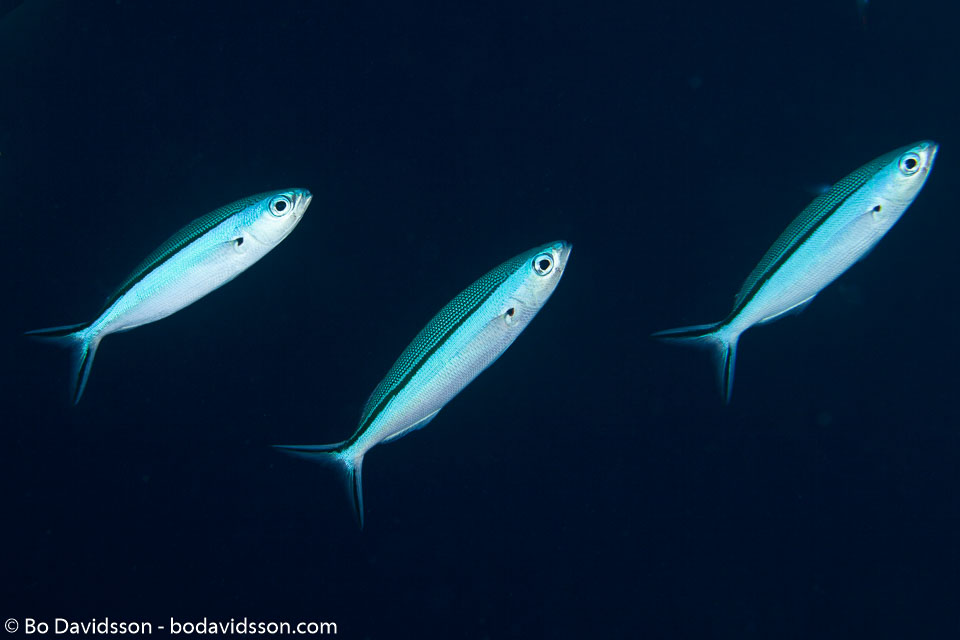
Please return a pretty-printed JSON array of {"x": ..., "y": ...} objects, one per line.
[
  {"x": 932, "y": 150},
  {"x": 562, "y": 250},
  {"x": 304, "y": 198}
]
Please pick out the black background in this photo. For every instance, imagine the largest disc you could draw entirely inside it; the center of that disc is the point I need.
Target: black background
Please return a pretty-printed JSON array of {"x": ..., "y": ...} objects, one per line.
[{"x": 591, "y": 481}]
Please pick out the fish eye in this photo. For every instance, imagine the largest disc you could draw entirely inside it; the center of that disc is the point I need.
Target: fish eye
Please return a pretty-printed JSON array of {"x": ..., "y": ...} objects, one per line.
[
  {"x": 543, "y": 264},
  {"x": 909, "y": 163},
  {"x": 279, "y": 206}
]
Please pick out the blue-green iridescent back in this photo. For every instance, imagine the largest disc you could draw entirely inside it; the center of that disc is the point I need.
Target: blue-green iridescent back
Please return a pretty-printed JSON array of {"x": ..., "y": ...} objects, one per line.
[
  {"x": 809, "y": 219},
  {"x": 179, "y": 240},
  {"x": 432, "y": 337}
]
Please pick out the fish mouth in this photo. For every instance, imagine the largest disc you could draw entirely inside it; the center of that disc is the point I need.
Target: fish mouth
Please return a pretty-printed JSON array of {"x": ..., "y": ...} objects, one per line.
[
  {"x": 927, "y": 150},
  {"x": 562, "y": 250},
  {"x": 304, "y": 198}
]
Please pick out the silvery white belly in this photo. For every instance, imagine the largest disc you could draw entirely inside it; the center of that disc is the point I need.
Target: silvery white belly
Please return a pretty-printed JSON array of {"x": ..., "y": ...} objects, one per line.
[
  {"x": 179, "y": 282},
  {"x": 466, "y": 355},
  {"x": 825, "y": 256}
]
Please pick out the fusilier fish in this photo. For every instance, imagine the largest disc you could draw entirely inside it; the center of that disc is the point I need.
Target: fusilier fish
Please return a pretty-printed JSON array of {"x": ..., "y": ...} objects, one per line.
[
  {"x": 465, "y": 338},
  {"x": 830, "y": 235},
  {"x": 203, "y": 256}
]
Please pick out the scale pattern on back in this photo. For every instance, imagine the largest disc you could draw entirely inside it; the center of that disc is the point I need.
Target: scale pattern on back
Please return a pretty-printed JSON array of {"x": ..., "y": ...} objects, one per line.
[
  {"x": 178, "y": 241},
  {"x": 432, "y": 337},
  {"x": 805, "y": 224}
]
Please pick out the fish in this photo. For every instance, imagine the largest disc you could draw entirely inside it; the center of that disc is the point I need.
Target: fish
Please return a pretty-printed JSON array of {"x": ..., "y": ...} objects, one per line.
[
  {"x": 458, "y": 344},
  {"x": 835, "y": 231},
  {"x": 201, "y": 257}
]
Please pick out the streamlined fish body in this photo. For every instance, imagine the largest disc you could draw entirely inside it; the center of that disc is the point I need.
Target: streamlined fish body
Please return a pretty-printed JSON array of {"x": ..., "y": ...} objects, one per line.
[
  {"x": 827, "y": 238},
  {"x": 462, "y": 340},
  {"x": 201, "y": 257}
]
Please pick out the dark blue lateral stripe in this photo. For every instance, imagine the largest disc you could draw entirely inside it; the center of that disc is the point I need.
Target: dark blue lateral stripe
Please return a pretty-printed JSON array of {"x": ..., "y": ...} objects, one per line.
[
  {"x": 416, "y": 367},
  {"x": 179, "y": 241},
  {"x": 150, "y": 268},
  {"x": 790, "y": 251}
]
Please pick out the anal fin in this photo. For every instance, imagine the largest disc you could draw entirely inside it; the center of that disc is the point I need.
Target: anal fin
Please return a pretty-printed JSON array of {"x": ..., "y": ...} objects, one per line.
[
  {"x": 419, "y": 424},
  {"x": 797, "y": 308}
]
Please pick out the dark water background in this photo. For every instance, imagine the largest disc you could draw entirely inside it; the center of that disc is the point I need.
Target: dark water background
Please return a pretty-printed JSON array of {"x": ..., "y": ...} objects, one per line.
[{"x": 590, "y": 484}]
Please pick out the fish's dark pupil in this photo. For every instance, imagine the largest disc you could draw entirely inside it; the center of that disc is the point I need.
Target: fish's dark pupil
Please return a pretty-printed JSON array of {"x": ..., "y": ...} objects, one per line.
[
  {"x": 544, "y": 264},
  {"x": 510, "y": 312},
  {"x": 239, "y": 241},
  {"x": 910, "y": 163},
  {"x": 281, "y": 205}
]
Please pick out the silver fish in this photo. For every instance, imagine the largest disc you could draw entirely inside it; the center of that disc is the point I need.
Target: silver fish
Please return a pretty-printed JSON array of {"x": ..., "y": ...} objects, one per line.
[
  {"x": 203, "y": 256},
  {"x": 827, "y": 238},
  {"x": 462, "y": 340}
]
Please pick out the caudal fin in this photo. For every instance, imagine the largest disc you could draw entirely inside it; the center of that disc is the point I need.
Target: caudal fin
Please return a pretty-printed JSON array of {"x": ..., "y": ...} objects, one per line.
[
  {"x": 713, "y": 336},
  {"x": 83, "y": 346},
  {"x": 334, "y": 454}
]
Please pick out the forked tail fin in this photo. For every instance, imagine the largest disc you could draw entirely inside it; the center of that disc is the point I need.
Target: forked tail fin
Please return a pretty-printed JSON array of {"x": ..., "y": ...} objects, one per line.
[
  {"x": 716, "y": 337},
  {"x": 334, "y": 454},
  {"x": 83, "y": 346}
]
